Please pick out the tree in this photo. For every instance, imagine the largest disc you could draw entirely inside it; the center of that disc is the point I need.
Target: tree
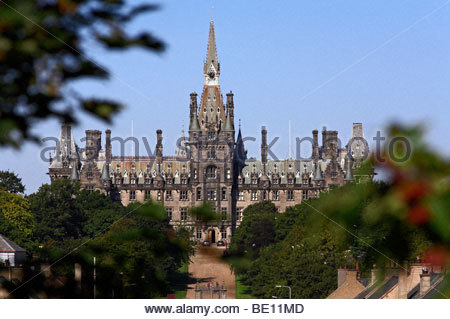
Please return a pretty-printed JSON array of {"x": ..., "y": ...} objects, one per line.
[
  {"x": 57, "y": 215},
  {"x": 139, "y": 254},
  {"x": 16, "y": 220},
  {"x": 42, "y": 52},
  {"x": 257, "y": 229},
  {"x": 305, "y": 263},
  {"x": 98, "y": 211},
  {"x": 10, "y": 182}
]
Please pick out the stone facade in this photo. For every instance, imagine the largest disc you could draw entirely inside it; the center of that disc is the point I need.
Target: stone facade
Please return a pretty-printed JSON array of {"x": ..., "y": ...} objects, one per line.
[{"x": 211, "y": 165}]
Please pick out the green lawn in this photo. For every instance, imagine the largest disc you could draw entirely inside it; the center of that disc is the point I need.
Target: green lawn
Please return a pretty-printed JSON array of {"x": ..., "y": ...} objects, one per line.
[
  {"x": 181, "y": 287},
  {"x": 242, "y": 291},
  {"x": 239, "y": 263}
]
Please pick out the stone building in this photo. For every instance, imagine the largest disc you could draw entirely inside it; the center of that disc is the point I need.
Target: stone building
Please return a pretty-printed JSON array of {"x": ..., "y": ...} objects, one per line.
[{"x": 210, "y": 166}]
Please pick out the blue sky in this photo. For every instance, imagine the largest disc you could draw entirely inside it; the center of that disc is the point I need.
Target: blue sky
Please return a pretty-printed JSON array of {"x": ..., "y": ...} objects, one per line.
[{"x": 314, "y": 62}]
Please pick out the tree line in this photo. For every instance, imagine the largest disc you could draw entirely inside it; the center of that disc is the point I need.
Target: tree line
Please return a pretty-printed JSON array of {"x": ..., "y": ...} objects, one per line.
[{"x": 137, "y": 251}]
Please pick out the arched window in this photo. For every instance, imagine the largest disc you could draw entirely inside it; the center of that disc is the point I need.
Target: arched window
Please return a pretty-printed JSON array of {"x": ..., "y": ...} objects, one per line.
[{"x": 211, "y": 172}]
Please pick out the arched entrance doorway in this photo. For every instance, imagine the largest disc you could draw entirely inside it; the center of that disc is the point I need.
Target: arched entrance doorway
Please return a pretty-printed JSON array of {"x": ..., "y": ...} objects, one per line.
[{"x": 212, "y": 236}]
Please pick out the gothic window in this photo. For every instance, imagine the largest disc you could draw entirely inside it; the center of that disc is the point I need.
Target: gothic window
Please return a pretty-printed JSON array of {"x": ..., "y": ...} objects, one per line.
[
  {"x": 147, "y": 195},
  {"x": 184, "y": 214},
  {"x": 89, "y": 175},
  {"x": 133, "y": 167},
  {"x": 254, "y": 181},
  {"x": 290, "y": 181},
  {"x": 65, "y": 164},
  {"x": 147, "y": 181},
  {"x": 264, "y": 195},
  {"x": 275, "y": 195},
  {"x": 199, "y": 233},
  {"x": 290, "y": 195},
  {"x": 183, "y": 168},
  {"x": 224, "y": 193},
  {"x": 305, "y": 195},
  {"x": 305, "y": 181},
  {"x": 132, "y": 195},
  {"x": 223, "y": 213},
  {"x": 254, "y": 195},
  {"x": 195, "y": 174},
  {"x": 183, "y": 195},
  {"x": 169, "y": 211},
  {"x": 211, "y": 195},
  {"x": 211, "y": 153},
  {"x": 211, "y": 135},
  {"x": 275, "y": 181},
  {"x": 169, "y": 168},
  {"x": 184, "y": 180},
  {"x": 223, "y": 232},
  {"x": 199, "y": 193},
  {"x": 228, "y": 173},
  {"x": 169, "y": 195},
  {"x": 148, "y": 168},
  {"x": 158, "y": 195},
  {"x": 132, "y": 181},
  {"x": 118, "y": 180},
  {"x": 334, "y": 175},
  {"x": 118, "y": 168},
  {"x": 239, "y": 213},
  {"x": 169, "y": 180},
  {"x": 241, "y": 195},
  {"x": 90, "y": 189},
  {"x": 211, "y": 172}
]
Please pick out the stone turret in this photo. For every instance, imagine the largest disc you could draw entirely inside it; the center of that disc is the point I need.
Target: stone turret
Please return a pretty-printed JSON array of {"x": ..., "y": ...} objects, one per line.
[{"x": 93, "y": 144}]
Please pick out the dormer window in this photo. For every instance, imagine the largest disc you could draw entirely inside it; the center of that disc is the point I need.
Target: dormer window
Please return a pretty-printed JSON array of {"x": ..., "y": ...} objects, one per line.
[{"x": 117, "y": 168}]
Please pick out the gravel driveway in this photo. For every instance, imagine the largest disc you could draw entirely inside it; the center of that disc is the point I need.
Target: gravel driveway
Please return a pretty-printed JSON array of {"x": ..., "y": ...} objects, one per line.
[{"x": 207, "y": 266}]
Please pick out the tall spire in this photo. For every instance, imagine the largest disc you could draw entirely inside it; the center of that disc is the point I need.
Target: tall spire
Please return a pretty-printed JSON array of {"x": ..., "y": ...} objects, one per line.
[
  {"x": 211, "y": 53},
  {"x": 211, "y": 114}
]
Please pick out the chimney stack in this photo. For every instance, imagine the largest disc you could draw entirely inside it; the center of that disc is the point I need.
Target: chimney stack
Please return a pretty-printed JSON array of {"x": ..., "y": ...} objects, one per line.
[
  {"x": 264, "y": 145},
  {"x": 159, "y": 146},
  {"x": 315, "y": 146},
  {"x": 108, "y": 148},
  {"x": 425, "y": 282}
]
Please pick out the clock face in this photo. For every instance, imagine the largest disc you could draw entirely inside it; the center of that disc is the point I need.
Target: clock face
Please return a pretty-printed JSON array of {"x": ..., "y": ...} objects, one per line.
[{"x": 211, "y": 75}]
